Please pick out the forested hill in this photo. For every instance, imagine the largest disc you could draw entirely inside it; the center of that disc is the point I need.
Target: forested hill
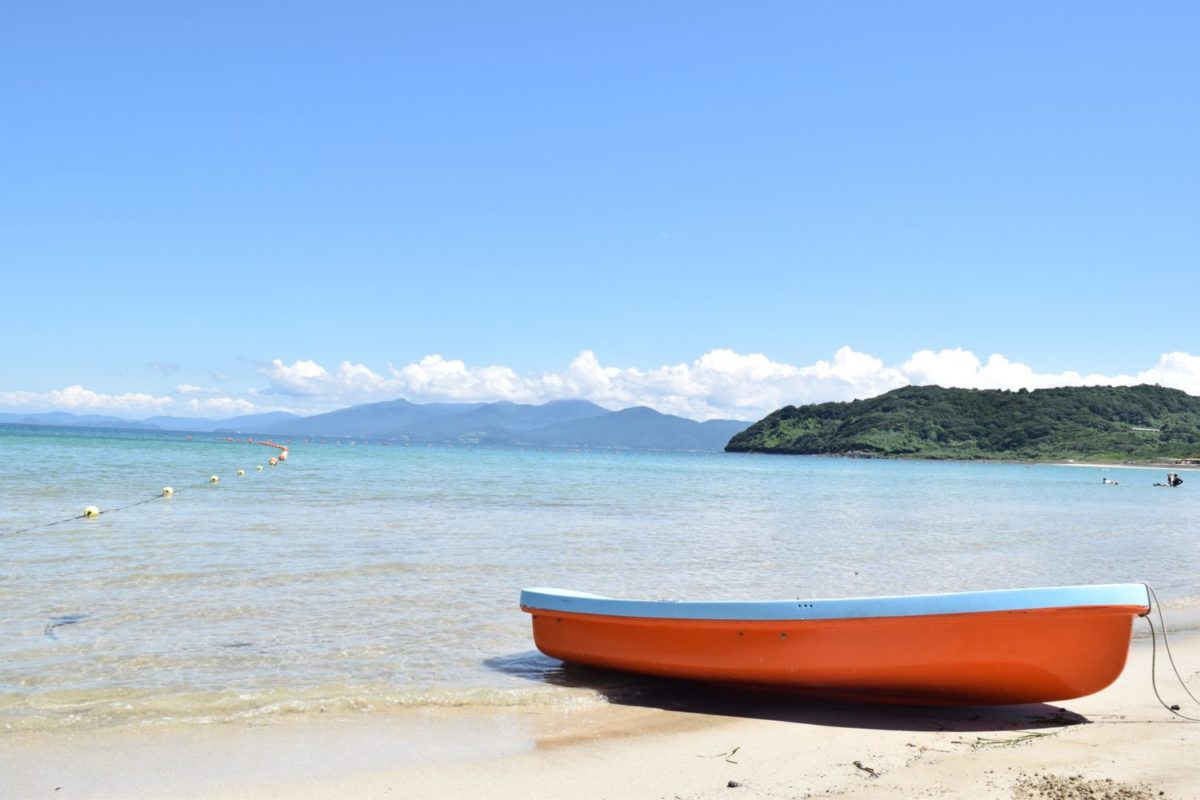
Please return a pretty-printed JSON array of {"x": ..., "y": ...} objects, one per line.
[{"x": 1104, "y": 423}]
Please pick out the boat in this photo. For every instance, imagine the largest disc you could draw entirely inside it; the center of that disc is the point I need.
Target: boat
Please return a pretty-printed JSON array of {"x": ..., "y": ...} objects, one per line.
[{"x": 963, "y": 649}]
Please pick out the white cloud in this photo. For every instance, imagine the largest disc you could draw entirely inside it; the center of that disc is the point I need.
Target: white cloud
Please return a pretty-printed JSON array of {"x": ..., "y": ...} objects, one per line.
[
  {"x": 720, "y": 383},
  {"x": 134, "y": 405},
  {"x": 304, "y": 378},
  {"x": 944, "y": 368},
  {"x": 1177, "y": 370},
  {"x": 434, "y": 376},
  {"x": 221, "y": 406},
  {"x": 308, "y": 379},
  {"x": 78, "y": 399},
  {"x": 961, "y": 368}
]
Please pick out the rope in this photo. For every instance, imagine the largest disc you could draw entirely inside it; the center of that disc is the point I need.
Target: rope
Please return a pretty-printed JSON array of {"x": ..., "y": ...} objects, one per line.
[
  {"x": 1174, "y": 709},
  {"x": 161, "y": 495},
  {"x": 44, "y": 525}
]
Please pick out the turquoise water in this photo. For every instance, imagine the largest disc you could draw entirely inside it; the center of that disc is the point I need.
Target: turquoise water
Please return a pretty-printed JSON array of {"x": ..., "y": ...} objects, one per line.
[{"x": 363, "y": 577}]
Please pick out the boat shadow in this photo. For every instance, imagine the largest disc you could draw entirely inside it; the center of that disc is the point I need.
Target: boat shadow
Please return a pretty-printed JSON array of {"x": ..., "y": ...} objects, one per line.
[{"x": 780, "y": 705}]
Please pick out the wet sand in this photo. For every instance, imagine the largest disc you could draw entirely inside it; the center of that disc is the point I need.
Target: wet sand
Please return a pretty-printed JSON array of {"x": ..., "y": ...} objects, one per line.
[{"x": 673, "y": 741}]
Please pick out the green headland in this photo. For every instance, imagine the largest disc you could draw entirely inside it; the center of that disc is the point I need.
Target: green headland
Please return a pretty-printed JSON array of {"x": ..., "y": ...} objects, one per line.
[{"x": 1094, "y": 423}]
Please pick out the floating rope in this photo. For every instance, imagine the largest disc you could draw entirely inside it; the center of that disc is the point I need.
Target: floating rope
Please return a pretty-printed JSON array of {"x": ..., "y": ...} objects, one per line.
[
  {"x": 92, "y": 512},
  {"x": 49, "y": 524},
  {"x": 283, "y": 451},
  {"x": 1174, "y": 709}
]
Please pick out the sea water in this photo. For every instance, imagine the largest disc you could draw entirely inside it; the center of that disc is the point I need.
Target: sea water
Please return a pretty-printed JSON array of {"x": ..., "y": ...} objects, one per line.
[{"x": 367, "y": 575}]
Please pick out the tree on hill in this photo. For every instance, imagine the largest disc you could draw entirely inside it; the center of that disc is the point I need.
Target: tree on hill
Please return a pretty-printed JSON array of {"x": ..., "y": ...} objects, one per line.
[{"x": 1113, "y": 423}]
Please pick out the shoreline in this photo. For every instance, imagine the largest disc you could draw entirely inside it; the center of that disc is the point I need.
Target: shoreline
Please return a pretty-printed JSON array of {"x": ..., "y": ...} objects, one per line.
[
  {"x": 676, "y": 741},
  {"x": 1119, "y": 465},
  {"x": 1151, "y": 465}
]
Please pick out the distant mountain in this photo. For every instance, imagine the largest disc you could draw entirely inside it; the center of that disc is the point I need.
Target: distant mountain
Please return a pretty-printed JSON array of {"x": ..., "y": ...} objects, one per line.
[
  {"x": 518, "y": 417},
  {"x": 560, "y": 423},
  {"x": 389, "y": 418},
  {"x": 65, "y": 419},
  {"x": 248, "y": 423},
  {"x": 506, "y": 421},
  {"x": 634, "y": 428},
  {"x": 1101, "y": 423}
]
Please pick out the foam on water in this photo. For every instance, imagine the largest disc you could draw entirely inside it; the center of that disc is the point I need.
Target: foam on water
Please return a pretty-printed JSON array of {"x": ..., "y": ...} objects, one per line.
[{"x": 369, "y": 577}]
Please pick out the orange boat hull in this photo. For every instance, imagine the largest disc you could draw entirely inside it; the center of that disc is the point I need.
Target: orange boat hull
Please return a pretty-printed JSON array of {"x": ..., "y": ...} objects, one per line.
[{"x": 987, "y": 658}]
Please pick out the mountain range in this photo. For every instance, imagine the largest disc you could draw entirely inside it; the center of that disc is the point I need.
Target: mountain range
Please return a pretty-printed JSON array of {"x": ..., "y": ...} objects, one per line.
[{"x": 560, "y": 423}]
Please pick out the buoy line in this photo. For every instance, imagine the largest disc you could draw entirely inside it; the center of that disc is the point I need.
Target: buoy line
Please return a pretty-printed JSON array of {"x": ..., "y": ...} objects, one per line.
[
  {"x": 92, "y": 512},
  {"x": 283, "y": 451}
]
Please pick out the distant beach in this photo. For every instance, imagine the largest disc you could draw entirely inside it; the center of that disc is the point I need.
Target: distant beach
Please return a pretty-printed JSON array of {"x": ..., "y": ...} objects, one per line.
[{"x": 1158, "y": 466}]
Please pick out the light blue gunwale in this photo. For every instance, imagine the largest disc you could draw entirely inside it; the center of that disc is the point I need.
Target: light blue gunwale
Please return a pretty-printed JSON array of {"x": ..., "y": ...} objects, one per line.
[{"x": 1114, "y": 594}]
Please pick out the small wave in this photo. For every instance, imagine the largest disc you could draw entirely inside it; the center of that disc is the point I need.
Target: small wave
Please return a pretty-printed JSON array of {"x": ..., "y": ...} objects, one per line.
[
  {"x": 1180, "y": 614},
  {"x": 119, "y": 707},
  {"x": 1191, "y": 602}
]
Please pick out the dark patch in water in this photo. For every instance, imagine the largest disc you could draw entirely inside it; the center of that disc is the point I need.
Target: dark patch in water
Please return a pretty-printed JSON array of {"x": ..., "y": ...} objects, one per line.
[
  {"x": 237, "y": 644},
  {"x": 534, "y": 666},
  {"x": 58, "y": 622}
]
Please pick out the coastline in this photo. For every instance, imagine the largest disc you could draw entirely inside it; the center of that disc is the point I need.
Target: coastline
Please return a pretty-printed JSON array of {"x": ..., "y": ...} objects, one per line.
[
  {"x": 683, "y": 741},
  {"x": 1156, "y": 467},
  {"x": 1060, "y": 462}
]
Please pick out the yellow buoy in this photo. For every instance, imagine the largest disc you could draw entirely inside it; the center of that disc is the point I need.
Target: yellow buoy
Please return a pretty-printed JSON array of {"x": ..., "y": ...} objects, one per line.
[
  {"x": 241, "y": 472},
  {"x": 168, "y": 491},
  {"x": 213, "y": 479},
  {"x": 259, "y": 468},
  {"x": 272, "y": 461},
  {"x": 91, "y": 511}
]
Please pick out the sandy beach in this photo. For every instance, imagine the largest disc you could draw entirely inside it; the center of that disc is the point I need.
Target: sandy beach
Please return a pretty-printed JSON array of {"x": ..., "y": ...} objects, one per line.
[{"x": 678, "y": 741}]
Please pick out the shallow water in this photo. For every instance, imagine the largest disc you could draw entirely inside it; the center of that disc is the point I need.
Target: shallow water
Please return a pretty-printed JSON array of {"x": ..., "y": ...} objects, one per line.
[{"x": 360, "y": 577}]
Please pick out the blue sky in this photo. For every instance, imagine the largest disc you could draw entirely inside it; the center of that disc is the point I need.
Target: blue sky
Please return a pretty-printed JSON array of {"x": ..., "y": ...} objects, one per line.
[{"x": 569, "y": 194}]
